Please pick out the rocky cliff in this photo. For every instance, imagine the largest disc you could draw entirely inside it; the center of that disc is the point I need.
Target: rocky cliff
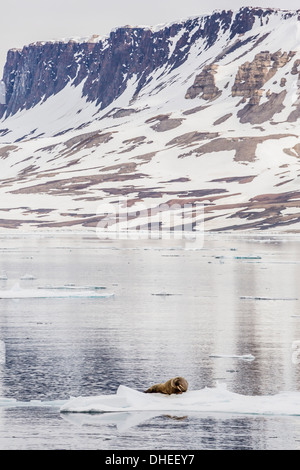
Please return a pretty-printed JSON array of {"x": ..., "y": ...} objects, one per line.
[
  {"x": 105, "y": 65},
  {"x": 204, "y": 110}
]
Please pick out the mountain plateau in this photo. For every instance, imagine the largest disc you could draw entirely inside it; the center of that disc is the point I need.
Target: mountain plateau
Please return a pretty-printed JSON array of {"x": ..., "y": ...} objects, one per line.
[{"x": 202, "y": 113}]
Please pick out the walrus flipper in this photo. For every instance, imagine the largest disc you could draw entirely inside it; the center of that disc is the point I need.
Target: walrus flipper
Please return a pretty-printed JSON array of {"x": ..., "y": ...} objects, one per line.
[{"x": 155, "y": 389}]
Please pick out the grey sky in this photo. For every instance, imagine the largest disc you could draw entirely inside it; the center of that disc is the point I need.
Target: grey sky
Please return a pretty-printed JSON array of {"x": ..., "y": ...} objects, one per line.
[{"x": 23, "y": 22}]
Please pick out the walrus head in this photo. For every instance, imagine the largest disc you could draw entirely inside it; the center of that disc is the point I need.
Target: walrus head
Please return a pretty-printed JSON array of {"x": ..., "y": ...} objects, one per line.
[{"x": 179, "y": 385}]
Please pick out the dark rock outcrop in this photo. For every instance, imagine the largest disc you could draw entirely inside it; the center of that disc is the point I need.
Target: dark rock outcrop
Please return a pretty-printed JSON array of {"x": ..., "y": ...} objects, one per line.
[
  {"x": 252, "y": 76},
  {"x": 104, "y": 66},
  {"x": 204, "y": 85}
]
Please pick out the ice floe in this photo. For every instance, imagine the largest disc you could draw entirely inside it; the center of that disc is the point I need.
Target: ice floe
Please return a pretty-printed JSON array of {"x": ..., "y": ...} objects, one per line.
[
  {"x": 250, "y": 297},
  {"x": 28, "y": 277},
  {"x": 217, "y": 399},
  {"x": 246, "y": 357},
  {"x": 16, "y": 292},
  {"x": 71, "y": 287},
  {"x": 13, "y": 403},
  {"x": 207, "y": 400},
  {"x": 165, "y": 294}
]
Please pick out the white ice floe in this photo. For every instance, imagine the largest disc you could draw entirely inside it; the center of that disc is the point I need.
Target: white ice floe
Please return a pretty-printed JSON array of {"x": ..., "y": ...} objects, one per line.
[
  {"x": 217, "y": 399},
  {"x": 71, "y": 287},
  {"x": 250, "y": 297},
  {"x": 206, "y": 400},
  {"x": 13, "y": 403},
  {"x": 246, "y": 357},
  {"x": 28, "y": 277},
  {"x": 18, "y": 293}
]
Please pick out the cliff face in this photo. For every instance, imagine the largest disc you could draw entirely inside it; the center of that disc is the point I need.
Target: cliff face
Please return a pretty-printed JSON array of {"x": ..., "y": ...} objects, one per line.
[
  {"x": 203, "y": 111},
  {"x": 105, "y": 65}
]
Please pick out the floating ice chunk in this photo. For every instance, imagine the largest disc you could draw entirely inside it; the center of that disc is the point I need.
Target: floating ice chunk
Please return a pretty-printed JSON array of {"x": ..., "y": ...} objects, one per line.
[
  {"x": 3, "y": 276},
  {"x": 217, "y": 399},
  {"x": 207, "y": 400},
  {"x": 28, "y": 277},
  {"x": 164, "y": 294},
  {"x": 247, "y": 257},
  {"x": 7, "y": 401},
  {"x": 13, "y": 403},
  {"x": 17, "y": 293},
  {"x": 246, "y": 357},
  {"x": 250, "y": 297},
  {"x": 72, "y": 287}
]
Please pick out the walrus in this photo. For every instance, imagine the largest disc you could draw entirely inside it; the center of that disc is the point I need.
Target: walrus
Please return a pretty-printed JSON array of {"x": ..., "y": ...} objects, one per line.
[{"x": 177, "y": 385}]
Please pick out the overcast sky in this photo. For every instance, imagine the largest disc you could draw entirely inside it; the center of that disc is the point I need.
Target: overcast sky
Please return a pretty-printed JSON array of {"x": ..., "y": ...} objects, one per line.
[{"x": 26, "y": 21}]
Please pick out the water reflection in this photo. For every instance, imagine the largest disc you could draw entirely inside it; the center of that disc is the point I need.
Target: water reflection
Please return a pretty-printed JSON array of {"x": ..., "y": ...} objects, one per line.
[
  {"x": 201, "y": 431},
  {"x": 61, "y": 347}
]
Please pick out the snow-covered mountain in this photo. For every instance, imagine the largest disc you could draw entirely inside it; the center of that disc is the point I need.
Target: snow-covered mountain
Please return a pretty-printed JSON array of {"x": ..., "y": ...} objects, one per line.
[{"x": 204, "y": 111}]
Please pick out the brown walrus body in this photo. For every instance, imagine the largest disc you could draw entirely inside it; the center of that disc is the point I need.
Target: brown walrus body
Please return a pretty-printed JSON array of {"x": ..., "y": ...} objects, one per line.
[{"x": 177, "y": 385}]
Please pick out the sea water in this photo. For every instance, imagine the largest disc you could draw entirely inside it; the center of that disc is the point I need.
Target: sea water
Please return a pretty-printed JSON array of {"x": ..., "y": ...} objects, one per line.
[{"x": 224, "y": 313}]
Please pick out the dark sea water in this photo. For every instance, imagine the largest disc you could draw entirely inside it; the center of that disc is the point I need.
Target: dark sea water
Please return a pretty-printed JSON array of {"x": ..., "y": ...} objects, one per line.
[{"x": 233, "y": 296}]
